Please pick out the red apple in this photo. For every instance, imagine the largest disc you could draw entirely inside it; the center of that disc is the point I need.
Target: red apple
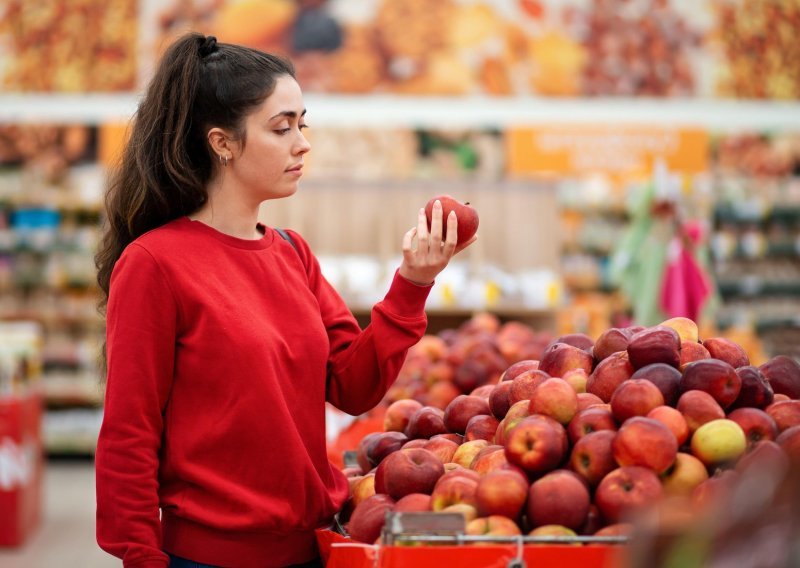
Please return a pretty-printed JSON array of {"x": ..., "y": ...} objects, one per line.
[
  {"x": 426, "y": 422},
  {"x": 608, "y": 375},
  {"x": 645, "y": 442},
  {"x": 684, "y": 475},
  {"x": 361, "y": 451},
  {"x": 780, "y": 397},
  {"x": 699, "y": 407},
  {"x": 441, "y": 394},
  {"x": 627, "y": 490},
  {"x": 716, "y": 377},
  {"x": 469, "y": 512},
  {"x": 556, "y": 399},
  {"x": 431, "y": 347},
  {"x": 524, "y": 384},
  {"x": 587, "y": 399},
  {"x": 756, "y": 391},
  {"x": 483, "y": 391},
  {"x": 763, "y": 456},
  {"x": 617, "y": 529},
  {"x": 413, "y": 503},
  {"x": 657, "y": 344},
  {"x": 592, "y": 457},
  {"x": 536, "y": 445},
  {"x": 491, "y": 458},
  {"x": 501, "y": 492},
  {"x": 635, "y": 397},
  {"x": 560, "y": 358},
  {"x": 398, "y": 414},
  {"x": 665, "y": 377},
  {"x": 452, "y": 489},
  {"x": 481, "y": 427},
  {"x": 559, "y": 498},
  {"x": 785, "y": 414},
  {"x": 498, "y": 399},
  {"x": 789, "y": 441},
  {"x": 493, "y": 525},
  {"x": 783, "y": 374},
  {"x": 553, "y": 530},
  {"x": 462, "y": 409},
  {"x": 518, "y": 368},
  {"x": 611, "y": 341},
  {"x": 590, "y": 420},
  {"x": 579, "y": 340},
  {"x": 409, "y": 471},
  {"x": 384, "y": 444},
  {"x": 368, "y": 518},
  {"x": 714, "y": 492},
  {"x": 442, "y": 448},
  {"x": 756, "y": 424},
  {"x": 692, "y": 351},
  {"x": 466, "y": 216},
  {"x": 672, "y": 419},
  {"x": 718, "y": 442},
  {"x": 727, "y": 350}
]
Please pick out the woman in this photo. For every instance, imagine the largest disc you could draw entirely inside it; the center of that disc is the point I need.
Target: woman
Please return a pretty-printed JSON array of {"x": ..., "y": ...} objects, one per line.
[{"x": 224, "y": 340}]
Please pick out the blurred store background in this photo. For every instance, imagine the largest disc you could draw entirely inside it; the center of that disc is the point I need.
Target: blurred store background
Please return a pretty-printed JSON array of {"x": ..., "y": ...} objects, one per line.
[{"x": 598, "y": 139}]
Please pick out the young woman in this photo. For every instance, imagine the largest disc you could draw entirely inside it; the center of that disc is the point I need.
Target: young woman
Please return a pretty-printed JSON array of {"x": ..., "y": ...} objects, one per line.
[{"x": 224, "y": 340}]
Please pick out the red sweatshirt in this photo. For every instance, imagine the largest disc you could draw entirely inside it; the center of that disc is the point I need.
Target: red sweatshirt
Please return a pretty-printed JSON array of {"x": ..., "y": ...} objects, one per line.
[{"x": 221, "y": 355}]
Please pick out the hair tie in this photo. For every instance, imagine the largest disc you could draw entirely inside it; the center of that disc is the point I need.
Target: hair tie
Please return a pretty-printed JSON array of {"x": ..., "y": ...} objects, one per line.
[{"x": 208, "y": 46}]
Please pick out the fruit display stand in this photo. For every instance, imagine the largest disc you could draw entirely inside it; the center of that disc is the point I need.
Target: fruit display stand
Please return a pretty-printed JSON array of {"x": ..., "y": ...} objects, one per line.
[{"x": 431, "y": 540}]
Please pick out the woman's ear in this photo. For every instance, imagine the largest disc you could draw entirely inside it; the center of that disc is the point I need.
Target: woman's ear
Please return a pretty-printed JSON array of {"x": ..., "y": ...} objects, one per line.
[{"x": 222, "y": 144}]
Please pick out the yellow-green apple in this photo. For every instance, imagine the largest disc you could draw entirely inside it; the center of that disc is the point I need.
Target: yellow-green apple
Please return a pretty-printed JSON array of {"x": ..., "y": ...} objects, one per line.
[
  {"x": 501, "y": 492},
  {"x": 555, "y": 398},
  {"x": 727, "y": 350},
  {"x": 384, "y": 444},
  {"x": 518, "y": 368},
  {"x": 409, "y": 471},
  {"x": 612, "y": 340},
  {"x": 361, "y": 451},
  {"x": 789, "y": 441},
  {"x": 718, "y": 442},
  {"x": 644, "y": 442},
  {"x": 756, "y": 424},
  {"x": 625, "y": 491},
  {"x": 715, "y": 491},
  {"x": 536, "y": 445},
  {"x": 672, "y": 419},
  {"x": 498, "y": 399},
  {"x": 756, "y": 391},
  {"x": 440, "y": 394},
  {"x": 493, "y": 525},
  {"x": 515, "y": 414},
  {"x": 523, "y": 385},
  {"x": 692, "y": 351},
  {"x": 684, "y": 475},
  {"x": 452, "y": 489},
  {"x": 426, "y": 422},
  {"x": 467, "y": 451},
  {"x": 466, "y": 216},
  {"x": 783, "y": 374},
  {"x": 635, "y": 397},
  {"x": 368, "y": 518},
  {"x": 553, "y": 530},
  {"x": 699, "y": 407},
  {"x": 468, "y": 511},
  {"x": 714, "y": 376},
  {"x": 785, "y": 414},
  {"x": 577, "y": 379},
  {"x": 686, "y": 328},
  {"x": 579, "y": 340},
  {"x": 590, "y": 420},
  {"x": 363, "y": 488},
  {"x": 461, "y": 409},
  {"x": 608, "y": 375},
  {"x": 481, "y": 427},
  {"x": 442, "y": 448},
  {"x": 587, "y": 399},
  {"x": 399, "y": 413},
  {"x": 413, "y": 502},
  {"x": 559, "y": 358},
  {"x": 665, "y": 377},
  {"x": 657, "y": 344},
  {"x": 559, "y": 498},
  {"x": 592, "y": 457}
]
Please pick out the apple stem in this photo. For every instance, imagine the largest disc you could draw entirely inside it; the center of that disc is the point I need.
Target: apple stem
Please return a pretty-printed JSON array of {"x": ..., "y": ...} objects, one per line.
[{"x": 466, "y": 203}]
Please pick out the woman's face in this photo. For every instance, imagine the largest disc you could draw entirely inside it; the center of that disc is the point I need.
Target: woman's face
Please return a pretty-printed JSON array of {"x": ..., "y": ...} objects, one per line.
[{"x": 271, "y": 161}]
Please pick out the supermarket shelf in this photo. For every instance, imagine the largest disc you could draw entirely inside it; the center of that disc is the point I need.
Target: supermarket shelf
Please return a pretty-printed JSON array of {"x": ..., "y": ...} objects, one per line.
[
  {"x": 443, "y": 112},
  {"x": 755, "y": 286}
]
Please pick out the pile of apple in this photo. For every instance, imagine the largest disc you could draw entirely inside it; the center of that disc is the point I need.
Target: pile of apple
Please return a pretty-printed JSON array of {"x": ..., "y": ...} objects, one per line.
[
  {"x": 458, "y": 361},
  {"x": 582, "y": 440}
]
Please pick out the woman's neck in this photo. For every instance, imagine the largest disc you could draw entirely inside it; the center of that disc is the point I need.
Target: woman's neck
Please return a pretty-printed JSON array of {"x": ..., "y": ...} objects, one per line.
[{"x": 229, "y": 216}]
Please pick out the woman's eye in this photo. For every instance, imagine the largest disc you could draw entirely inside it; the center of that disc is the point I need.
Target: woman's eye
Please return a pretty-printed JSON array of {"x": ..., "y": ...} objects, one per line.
[
  {"x": 303, "y": 126},
  {"x": 283, "y": 131}
]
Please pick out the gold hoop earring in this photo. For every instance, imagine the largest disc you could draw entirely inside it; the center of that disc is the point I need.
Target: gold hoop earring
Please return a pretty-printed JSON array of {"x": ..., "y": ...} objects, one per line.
[{"x": 223, "y": 160}]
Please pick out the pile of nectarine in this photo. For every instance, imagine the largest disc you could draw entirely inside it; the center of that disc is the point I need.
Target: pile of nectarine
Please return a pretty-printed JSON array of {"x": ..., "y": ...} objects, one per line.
[{"x": 583, "y": 438}]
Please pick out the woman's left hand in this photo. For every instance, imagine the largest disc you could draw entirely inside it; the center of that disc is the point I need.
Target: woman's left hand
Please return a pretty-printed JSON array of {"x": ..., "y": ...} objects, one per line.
[{"x": 422, "y": 264}]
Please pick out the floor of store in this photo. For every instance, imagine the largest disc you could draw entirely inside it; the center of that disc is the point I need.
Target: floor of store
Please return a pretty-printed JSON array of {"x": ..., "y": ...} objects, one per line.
[{"x": 66, "y": 536}]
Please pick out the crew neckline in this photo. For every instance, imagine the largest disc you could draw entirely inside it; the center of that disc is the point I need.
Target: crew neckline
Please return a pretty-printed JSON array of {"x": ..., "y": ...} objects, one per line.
[{"x": 247, "y": 244}]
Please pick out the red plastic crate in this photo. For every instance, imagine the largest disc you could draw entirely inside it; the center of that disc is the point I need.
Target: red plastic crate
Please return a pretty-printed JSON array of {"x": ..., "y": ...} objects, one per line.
[{"x": 21, "y": 463}]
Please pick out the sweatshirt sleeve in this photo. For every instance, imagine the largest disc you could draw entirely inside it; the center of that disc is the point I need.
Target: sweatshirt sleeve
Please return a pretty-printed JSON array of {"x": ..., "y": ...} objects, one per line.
[
  {"x": 362, "y": 365},
  {"x": 140, "y": 342}
]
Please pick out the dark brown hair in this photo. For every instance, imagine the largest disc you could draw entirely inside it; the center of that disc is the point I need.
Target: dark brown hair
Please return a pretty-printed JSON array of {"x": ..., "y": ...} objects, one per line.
[{"x": 199, "y": 84}]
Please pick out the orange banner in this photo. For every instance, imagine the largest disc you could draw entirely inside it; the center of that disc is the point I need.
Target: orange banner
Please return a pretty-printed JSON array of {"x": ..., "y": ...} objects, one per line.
[{"x": 615, "y": 150}]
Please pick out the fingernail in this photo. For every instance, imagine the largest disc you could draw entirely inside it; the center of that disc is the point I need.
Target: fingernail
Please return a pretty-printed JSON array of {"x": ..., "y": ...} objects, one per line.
[
  {"x": 437, "y": 203},
  {"x": 452, "y": 214}
]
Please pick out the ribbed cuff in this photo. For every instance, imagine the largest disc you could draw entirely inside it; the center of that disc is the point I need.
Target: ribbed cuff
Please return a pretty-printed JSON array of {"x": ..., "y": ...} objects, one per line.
[{"x": 405, "y": 298}]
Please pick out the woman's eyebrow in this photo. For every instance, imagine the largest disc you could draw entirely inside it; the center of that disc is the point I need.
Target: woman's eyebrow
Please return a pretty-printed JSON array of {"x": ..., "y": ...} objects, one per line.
[{"x": 289, "y": 114}]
